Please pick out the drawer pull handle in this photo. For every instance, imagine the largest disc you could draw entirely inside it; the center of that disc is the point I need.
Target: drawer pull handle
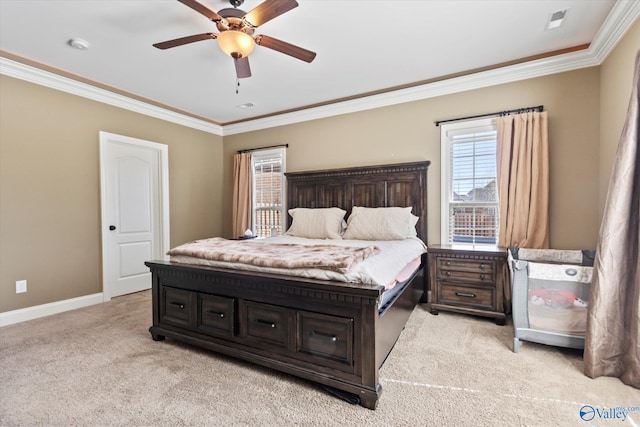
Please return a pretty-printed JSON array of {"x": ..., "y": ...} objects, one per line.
[
  {"x": 482, "y": 276},
  {"x": 482, "y": 266},
  {"x": 465, "y": 294},
  {"x": 448, "y": 263},
  {"x": 331, "y": 338},
  {"x": 178, "y": 304},
  {"x": 215, "y": 313},
  {"x": 265, "y": 323},
  {"x": 448, "y": 273}
]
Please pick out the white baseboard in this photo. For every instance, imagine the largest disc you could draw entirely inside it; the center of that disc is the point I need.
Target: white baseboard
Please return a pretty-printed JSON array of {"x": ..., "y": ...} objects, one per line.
[{"x": 35, "y": 312}]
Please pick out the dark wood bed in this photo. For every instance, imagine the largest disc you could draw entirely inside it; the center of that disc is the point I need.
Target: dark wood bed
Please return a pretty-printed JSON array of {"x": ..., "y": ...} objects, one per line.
[{"x": 332, "y": 333}]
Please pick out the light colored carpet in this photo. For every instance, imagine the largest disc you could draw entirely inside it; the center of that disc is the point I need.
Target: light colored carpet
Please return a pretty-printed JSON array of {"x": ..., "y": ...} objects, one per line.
[{"x": 99, "y": 366}]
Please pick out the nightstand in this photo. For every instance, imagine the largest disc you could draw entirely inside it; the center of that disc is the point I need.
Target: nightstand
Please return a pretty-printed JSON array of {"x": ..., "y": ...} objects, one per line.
[{"x": 468, "y": 279}]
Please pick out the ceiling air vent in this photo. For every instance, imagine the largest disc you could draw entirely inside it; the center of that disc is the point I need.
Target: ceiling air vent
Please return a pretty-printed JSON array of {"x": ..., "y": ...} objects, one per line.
[{"x": 556, "y": 19}]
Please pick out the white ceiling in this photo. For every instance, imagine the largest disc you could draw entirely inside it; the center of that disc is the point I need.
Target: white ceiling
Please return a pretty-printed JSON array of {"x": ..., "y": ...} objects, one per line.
[{"x": 362, "y": 47}]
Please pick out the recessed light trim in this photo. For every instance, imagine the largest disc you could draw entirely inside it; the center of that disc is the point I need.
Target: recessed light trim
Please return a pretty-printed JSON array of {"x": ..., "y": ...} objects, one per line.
[{"x": 79, "y": 44}]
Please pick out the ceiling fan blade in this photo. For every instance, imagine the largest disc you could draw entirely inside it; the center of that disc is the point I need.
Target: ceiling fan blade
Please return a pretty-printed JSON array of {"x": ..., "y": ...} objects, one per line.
[
  {"x": 185, "y": 40},
  {"x": 202, "y": 9},
  {"x": 242, "y": 67},
  {"x": 286, "y": 48},
  {"x": 268, "y": 10}
]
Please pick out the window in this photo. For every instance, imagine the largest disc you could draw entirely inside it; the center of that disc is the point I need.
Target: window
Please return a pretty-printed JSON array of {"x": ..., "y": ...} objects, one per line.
[
  {"x": 469, "y": 194},
  {"x": 268, "y": 167}
]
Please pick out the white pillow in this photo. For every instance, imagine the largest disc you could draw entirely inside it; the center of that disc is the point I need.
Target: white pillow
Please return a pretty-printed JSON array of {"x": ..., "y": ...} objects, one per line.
[
  {"x": 393, "y": 223},
  {"x": 413, "y": 221},
  {"x": 320, "y": 223}
]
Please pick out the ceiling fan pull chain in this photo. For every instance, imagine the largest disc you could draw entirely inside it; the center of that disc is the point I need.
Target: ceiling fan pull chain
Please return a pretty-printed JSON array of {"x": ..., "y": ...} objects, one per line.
[{"x": 237, "y": 85}]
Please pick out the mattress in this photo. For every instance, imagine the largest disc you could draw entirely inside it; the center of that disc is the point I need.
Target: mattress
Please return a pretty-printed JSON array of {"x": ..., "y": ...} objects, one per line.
[{"x": 395, "y": 261}]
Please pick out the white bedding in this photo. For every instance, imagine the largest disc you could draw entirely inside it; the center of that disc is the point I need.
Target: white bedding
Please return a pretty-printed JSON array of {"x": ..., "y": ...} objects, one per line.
[{"x": 381, "y": 269}]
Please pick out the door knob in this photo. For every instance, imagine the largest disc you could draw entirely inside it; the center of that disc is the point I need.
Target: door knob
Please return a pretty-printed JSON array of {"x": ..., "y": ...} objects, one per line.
[{"x": 112, "y": 227}]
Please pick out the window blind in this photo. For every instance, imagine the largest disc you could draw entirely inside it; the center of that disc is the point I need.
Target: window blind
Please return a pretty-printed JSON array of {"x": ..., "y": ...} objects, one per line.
[
  {"x": 470, "y": 202},
  {"x": 268, "y": 192}
]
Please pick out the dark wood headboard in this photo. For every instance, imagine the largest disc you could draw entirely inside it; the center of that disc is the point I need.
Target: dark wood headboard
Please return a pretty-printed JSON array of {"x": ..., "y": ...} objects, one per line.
[{"x": 402, "y": 185}]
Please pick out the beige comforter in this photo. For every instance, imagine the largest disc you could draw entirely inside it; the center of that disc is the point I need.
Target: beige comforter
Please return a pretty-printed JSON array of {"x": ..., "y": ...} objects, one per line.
[{"x": 340, "y": 259}]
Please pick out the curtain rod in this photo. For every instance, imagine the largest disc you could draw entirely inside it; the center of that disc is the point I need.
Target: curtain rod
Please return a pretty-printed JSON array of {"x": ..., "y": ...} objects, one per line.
[
  {"x": 538, "y": 108},
  {"x": 263, "y": 148}
]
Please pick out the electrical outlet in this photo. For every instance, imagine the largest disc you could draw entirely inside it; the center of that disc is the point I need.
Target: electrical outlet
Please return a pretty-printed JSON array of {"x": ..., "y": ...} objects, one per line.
[{"x": 21, "y": 286}]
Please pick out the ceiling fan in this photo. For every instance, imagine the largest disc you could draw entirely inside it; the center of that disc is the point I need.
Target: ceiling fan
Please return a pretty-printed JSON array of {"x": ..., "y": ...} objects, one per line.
[{"x": 236, "y": 28}]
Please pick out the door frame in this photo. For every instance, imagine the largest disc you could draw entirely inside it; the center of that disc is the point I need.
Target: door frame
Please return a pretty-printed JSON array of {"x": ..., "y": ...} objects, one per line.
[{"x": 163, "y": 239}]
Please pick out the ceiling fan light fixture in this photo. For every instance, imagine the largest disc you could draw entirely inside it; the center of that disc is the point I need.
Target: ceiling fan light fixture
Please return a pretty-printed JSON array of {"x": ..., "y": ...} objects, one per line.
[{"x": 236, "y": 43}]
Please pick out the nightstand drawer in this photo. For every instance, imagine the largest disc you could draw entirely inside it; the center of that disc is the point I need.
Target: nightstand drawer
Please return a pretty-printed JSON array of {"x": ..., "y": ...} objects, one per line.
[
  {"x": 468, "y": 280},
  {"x": 487, "y": 278},
  {"x": 476, "y": 297},
  {"x": 466, "y": 265},
  {"x": 466, "y": 270}
]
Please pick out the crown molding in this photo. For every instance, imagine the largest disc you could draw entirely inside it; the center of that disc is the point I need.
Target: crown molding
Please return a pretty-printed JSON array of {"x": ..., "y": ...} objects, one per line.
[
  {"x": 35, "y": 75},
  {"x": 538, "y": 68},
  {"x": 623, "y": 14},
  {"x": 618, "y": 22}
]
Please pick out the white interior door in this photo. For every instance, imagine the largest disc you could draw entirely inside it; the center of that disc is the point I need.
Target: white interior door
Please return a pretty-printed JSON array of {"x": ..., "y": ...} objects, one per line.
[{"x": 133, "y": 211}]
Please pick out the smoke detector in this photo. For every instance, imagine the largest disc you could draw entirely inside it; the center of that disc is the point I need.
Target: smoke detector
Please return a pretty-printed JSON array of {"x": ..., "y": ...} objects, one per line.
[{"x": 79, "y": 44}]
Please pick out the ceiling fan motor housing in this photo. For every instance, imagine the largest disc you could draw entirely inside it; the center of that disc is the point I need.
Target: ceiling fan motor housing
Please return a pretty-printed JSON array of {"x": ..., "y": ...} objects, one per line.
[{"x": 233, "y": 20}]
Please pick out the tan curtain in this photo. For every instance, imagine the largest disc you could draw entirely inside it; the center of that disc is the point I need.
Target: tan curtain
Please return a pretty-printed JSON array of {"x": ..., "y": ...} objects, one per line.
[
  {"x": 523, "y": 180},
  {"x": 241, "y": 211},
  {"x": 612, "y": 344}
]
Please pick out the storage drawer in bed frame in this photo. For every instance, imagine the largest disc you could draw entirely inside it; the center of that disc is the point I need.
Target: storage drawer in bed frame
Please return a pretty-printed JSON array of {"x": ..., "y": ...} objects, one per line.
[{"x": 306, "y": 335}]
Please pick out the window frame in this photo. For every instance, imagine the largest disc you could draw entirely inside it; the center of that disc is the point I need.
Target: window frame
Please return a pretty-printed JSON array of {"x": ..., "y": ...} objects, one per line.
[
  {"x": 258, "y": 155},
  {"x": 461, "y": 128}
]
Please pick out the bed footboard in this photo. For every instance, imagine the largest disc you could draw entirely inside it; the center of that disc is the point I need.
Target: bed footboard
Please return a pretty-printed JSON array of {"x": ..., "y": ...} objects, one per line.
[{"x": 326, "y": 332}]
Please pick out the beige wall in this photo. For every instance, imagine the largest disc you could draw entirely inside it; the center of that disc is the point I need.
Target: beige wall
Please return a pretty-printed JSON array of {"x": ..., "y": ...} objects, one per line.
[
  {"x": 616, "y": 80},
  {"x": 407, "y": 132},
  {"x": 50, "y": 188},
  {"x": 50, "y": 184}
]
